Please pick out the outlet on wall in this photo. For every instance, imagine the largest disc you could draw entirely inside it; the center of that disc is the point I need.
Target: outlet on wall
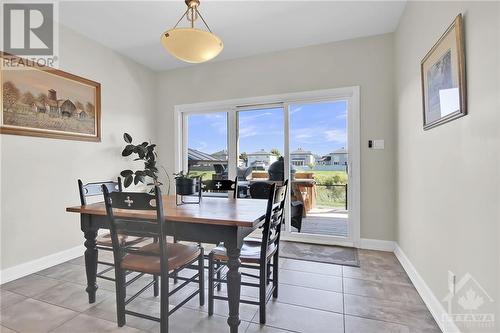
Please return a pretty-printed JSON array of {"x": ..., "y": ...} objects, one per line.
[{"x": 451, "y": 282}]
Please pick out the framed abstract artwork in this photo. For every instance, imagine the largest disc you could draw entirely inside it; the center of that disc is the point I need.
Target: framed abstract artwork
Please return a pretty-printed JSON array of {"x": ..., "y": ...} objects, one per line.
[
  {"x": 444, "y": 86},
  {"x": 46, "y": 102}
]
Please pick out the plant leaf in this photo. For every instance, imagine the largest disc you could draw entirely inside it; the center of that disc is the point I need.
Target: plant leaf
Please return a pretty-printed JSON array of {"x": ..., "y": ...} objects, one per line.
[
  {"x": 128, "y": 180},
  {"x": 129, "y": 149},
  {"x": 127, "y": 138},
  {"x": 126, "y": 173},
  {"x": 138, "y": 179},
  {"x": 149, "y": 173}
]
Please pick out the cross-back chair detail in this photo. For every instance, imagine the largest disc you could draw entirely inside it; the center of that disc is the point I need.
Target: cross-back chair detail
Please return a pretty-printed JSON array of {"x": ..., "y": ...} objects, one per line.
[
  {"x": 222, "y": 185},
  {"x": 103, "y": 242},
  {"x": 259, "y": 254},
  {"x": 160, "y": 259}
]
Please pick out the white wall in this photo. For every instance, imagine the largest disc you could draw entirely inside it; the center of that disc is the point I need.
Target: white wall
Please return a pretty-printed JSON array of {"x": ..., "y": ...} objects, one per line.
[
  {"x": 448, "y": 177},
  {"x": 39, "y": 175},
  {"x": 367, "y": 62}
]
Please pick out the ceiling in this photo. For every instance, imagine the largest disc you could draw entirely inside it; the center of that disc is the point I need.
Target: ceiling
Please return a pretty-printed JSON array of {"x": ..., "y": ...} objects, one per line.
[{"x": 133, "y": 28}]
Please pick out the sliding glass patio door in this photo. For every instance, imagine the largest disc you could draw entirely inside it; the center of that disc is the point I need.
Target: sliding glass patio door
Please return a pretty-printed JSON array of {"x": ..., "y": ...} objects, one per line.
[
  {"x": 318, "y": 158},
  {"x": 311, "y": 139}
]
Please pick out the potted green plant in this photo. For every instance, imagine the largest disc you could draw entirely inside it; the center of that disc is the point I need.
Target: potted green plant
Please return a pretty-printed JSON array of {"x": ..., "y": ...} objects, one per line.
[
  {"x": 145, "y": 152},
  {"x": 186, "y": 184}
]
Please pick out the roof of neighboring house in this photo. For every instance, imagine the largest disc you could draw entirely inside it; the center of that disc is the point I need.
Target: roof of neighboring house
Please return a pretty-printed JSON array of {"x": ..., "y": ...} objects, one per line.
[
  {"x": 340, "y": 151},
  {"x": 196, "y": 155},
  {"x": 301, "y": 151},
  {"x": 220, "y": 152},
  {"x": 259, "y": 152}
]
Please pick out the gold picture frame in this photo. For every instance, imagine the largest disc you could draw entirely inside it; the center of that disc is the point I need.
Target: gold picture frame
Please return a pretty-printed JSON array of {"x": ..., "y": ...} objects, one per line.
[
  {"x": 46, "y": 102},
  {"x": 444, "y": 85}
]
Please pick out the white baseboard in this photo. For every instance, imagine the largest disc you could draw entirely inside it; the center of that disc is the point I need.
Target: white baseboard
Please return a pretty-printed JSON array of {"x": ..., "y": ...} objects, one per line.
[
  {"x": 377, "y": 244},
  {"x": 433, "y": 304},
  {"x": 36, "y": 265}
]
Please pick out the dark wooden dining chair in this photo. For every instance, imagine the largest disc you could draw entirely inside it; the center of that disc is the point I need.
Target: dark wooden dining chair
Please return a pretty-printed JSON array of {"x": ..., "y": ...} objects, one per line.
[
  {"x": 260, "y": 190},
  {"x": 103, "y": 242},
  {"x": 160, "y": 258},
  {"x": 258, "y": 254},
  {"x": 214, "y": 186}
]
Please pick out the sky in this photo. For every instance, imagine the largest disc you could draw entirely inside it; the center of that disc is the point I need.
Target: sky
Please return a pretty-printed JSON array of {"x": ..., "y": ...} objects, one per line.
[{"x": 319, "y": 127}]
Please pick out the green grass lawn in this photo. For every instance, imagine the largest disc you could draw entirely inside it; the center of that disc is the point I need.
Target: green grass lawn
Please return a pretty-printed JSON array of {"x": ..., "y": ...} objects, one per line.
[{"x": 324, "y": 177}]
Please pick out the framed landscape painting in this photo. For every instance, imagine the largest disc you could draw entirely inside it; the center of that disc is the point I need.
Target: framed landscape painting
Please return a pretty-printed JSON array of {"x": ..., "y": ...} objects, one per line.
[
  {"x": 46, "y": 102},
  {"x": 443, "y": 78}
]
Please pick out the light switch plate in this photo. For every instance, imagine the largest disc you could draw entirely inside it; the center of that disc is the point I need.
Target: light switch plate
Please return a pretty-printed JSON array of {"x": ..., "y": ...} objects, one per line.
[{"x": 378, "y": 144}]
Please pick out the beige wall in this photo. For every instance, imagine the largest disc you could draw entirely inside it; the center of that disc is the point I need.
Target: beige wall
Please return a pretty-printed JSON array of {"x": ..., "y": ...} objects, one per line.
[
  {"x": 448, "y": 177},
  {"x": 38, "y": 175},
  {"x": 367, "y": 62}
]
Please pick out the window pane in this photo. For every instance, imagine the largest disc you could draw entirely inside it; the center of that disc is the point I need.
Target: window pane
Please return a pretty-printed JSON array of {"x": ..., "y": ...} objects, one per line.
[
  {"x": 260, "y": 137},
  {"x": 207, "y": 145},
  {"x": 318, "y": 158}
]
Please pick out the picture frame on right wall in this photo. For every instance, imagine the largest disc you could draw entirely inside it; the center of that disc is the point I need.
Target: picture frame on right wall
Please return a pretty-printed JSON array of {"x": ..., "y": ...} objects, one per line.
[{"x": 444, "y": 85}]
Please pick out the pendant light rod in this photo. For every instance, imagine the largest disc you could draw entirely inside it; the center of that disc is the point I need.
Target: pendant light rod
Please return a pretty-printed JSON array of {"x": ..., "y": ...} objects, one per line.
[
  {"x": 193, "y": 7},
  {"x": 185, "y": 13},
  {"x": 201, "y": 16}
]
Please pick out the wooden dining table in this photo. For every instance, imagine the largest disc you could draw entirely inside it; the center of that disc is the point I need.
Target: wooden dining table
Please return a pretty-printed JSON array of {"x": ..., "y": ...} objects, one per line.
[{"x": 213, "y": 220}]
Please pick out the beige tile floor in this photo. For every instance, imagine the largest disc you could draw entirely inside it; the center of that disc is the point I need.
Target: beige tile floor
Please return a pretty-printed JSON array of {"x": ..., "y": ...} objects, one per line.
[{"x": 378, "y": 297}]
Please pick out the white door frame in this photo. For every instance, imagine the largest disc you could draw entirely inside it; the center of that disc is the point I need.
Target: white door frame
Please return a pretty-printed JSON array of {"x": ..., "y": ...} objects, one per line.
[{"x": 351, "y": 94}]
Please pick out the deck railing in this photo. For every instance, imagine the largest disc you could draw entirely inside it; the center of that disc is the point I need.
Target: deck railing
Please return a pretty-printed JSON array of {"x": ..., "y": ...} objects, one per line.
[{"x": 332, "y": 195}]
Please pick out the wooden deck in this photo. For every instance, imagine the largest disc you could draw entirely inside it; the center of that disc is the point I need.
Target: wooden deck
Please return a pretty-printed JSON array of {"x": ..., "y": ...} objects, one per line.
[{"x": 331, "y": 222}]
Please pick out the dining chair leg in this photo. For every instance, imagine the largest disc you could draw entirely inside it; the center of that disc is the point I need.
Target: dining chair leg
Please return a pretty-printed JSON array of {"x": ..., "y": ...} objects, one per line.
[
  {"x": 219, "y": 285},
  {"x": 164, "y": 303},
  {"x": 269, "y": 270},
  {"x": 120, "y": 296},
  {"x": 201, "y": 276},
  {"x": 210, "y": 284},
  {"x": 262, "y": 293},
  {"x": 156, "y": 289},
  {"x": 175, "y": 273},
  {"x": 276, "y": 274}
]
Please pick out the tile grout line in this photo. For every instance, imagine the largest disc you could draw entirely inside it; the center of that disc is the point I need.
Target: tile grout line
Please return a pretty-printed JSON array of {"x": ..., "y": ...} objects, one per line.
[
  {"x": 307, "y": 272},
  {"x": 73, "y": 317},
  {"x": 3, "y": 325}
]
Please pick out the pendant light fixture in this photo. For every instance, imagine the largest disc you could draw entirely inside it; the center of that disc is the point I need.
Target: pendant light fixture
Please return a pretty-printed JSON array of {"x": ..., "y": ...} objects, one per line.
[{"x": 191, "y": 44}]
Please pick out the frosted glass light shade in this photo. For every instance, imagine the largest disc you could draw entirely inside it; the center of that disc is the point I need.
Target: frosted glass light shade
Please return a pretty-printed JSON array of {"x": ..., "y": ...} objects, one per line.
[{"x": 191, "y": 44}]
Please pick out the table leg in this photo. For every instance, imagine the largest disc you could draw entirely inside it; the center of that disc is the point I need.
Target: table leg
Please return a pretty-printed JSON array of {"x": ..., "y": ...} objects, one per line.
[
  {"x": 91, "y": 262},
  {"x": 233, "y": 286}
]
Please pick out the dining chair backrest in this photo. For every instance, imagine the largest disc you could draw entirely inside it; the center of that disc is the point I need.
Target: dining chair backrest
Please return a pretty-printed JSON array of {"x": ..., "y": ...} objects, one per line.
[
  {"x": 95, "y": 189},
  {"x": 155, "y": 228},
  {"x": 225, "y": 185},
  {"x": 271, "y": 229}
]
